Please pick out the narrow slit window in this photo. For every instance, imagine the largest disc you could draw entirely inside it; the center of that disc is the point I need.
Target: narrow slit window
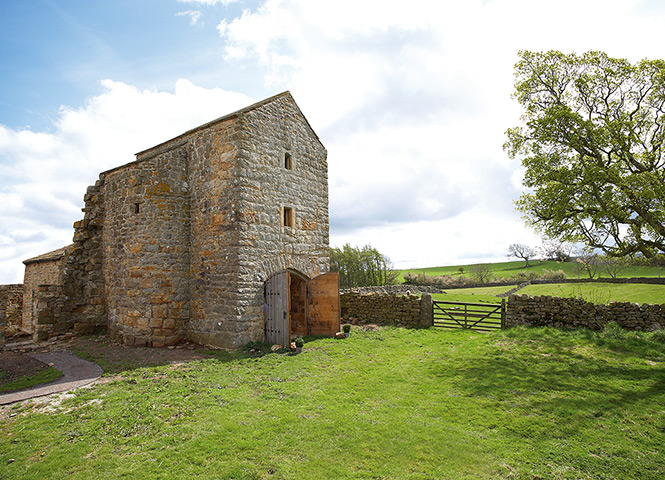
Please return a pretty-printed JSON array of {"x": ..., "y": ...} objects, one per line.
[
  {"x": 136, "y": 208},
  {"x": 288, "y": 217},
  {"x": 288, "y": 161}
]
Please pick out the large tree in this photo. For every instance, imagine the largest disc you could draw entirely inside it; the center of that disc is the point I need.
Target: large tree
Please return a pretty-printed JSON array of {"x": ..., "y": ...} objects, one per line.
[{"x": 592, "y": 148}]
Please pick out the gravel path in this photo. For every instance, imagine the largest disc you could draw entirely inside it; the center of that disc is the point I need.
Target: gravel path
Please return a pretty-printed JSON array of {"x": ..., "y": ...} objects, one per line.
[{"x": 76, "y": 372}]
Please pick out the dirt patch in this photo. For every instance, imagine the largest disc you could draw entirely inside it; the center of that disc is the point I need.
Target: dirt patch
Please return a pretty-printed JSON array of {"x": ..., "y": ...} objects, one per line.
[
  {"x": 16, "y": 365},
  {"x": 114, "y": 358},
  {"x": 111, "y": 357}
]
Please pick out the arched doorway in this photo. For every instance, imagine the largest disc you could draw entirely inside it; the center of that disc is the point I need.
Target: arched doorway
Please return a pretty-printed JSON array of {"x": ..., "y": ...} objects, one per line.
[{"x": 297, "y": 306}]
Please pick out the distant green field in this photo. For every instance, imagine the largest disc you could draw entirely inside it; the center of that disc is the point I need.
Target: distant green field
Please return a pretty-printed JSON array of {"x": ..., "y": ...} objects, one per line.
[
  {"x": 601, "y": 293},
  {"x": 506, "y": 269}
]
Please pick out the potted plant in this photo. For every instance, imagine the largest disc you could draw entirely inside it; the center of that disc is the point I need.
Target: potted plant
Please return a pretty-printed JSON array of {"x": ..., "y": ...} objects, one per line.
[
  {"x": 346, "y": 328},
  {"x": 299, "y": 343}
]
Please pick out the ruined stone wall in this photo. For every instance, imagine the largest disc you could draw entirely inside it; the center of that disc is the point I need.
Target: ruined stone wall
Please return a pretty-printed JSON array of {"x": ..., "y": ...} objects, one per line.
[
  {"x": 146, "y": 249},
  {"x": 545, "y": 311},
  {"x": 385, "y": 309},
  {"x": 11, "y": 305},
  {"x": 83, "y": 277},
  {"x": 36, "y": 274},
  {"x": 266, "y": 187}
]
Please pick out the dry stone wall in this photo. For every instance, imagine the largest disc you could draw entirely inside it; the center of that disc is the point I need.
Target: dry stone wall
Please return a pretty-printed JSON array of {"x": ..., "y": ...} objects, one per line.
[
  {"x": 386, "y": 309},
  {"x": 541, "y": 311}
]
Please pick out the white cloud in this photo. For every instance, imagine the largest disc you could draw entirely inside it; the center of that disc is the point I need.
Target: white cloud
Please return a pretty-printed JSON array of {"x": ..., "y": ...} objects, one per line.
[
  {"x": 43, "y": 176},
  {"x": 413, "y": 102},
  {"x": 194, "y": 16}
]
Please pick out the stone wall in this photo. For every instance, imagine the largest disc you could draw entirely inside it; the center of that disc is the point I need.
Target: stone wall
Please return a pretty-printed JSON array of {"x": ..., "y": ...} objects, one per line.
[
  {"x": 51, "y": 312},
  {"x": 395, "y": 289},
  {"x": 11, "y": 305},
  {"x": 386, "y": 309},
  {"x": 43, "y": 270},
  {"x": 266, "y": 187},
  {"x": 179, "y": 243},
  {"x": 146, "y": 249},
  {"x": 540, "y": 311},
  {"x": 83, "y": 276}
]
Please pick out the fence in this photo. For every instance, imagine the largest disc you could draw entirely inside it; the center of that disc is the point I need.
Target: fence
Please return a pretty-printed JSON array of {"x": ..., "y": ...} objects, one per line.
[{"x": 475, "y": 316}]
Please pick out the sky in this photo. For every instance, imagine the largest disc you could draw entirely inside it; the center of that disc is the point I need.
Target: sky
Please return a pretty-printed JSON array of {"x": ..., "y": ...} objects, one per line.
[{"x": 411, "y": 99}]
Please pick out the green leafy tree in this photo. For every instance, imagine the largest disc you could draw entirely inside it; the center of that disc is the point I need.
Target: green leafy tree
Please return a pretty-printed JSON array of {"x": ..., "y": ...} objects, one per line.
[
  {"x": 361, "y": 267},
  {"x": 592, "y": 148}
]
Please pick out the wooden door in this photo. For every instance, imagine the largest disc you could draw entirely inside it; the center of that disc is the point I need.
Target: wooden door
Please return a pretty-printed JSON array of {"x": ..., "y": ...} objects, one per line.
[
  {"x": 323, "y": 304},
  {"x": 276, "y": 309}
]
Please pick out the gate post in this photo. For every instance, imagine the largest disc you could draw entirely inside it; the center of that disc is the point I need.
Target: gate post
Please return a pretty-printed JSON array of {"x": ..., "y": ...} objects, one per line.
[
  {"x": 503, "y": 313},
  {"x": 426, "y": 311}
]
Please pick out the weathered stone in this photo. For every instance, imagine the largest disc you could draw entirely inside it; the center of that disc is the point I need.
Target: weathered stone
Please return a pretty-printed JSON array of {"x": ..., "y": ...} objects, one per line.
[{"x": 178, "y": 244}]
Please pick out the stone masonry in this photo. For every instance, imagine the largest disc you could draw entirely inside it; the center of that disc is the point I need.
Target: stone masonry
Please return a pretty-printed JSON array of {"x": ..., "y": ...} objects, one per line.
[
  {"x": 541, "y": 311},
  {"x": 178, "y": 244},
  {"x": 387, "y": 309},
  {"x": 11, "y": 306}
]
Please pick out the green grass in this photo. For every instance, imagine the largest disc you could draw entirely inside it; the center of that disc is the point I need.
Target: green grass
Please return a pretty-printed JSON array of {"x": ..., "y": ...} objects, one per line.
[
  {"x": 601, "y": 292},
  {"x": 47, "y": 375},
  {"x": 393, "y": 403},
  {"x": 506, "y": 269}
]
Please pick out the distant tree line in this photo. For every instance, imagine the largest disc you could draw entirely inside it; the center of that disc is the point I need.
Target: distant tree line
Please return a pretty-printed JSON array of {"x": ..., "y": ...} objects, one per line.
[{"x": 361, "y": 266}]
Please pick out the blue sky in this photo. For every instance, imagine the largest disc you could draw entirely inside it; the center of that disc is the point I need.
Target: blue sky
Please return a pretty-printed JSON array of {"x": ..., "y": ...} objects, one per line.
[{"x": 411, "y": 100}]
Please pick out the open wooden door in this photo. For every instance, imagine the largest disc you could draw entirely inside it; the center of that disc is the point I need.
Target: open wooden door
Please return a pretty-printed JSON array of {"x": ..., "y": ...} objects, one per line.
[
  {"x": 295, "y": 306},
  {"x": 276, "y": 309},
  {"x": 323, "y": 305}
]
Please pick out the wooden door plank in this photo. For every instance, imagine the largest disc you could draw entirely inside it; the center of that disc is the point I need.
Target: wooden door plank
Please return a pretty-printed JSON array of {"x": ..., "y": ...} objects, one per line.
[{"x": 323, "y": 304}]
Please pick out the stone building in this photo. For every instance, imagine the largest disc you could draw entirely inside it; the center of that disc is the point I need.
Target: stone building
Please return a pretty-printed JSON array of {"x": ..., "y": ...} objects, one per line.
[{"x": 212, "y": 236}]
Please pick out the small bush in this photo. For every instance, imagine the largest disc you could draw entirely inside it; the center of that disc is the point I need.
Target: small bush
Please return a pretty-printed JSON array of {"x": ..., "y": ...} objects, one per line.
[
  {"x": 613, "y": 330},
  {"x": 658, "y": 335}
]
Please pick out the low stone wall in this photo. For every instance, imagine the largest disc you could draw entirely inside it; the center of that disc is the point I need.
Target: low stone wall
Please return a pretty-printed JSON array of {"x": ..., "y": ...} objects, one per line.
[
  {"x": 51, "y": 313},
  {"x": 394, "y": 289},
  {"x": 386, "y": 309},
  {"x": 11, "y": 308},
  {"x": 541, "y": 311}
]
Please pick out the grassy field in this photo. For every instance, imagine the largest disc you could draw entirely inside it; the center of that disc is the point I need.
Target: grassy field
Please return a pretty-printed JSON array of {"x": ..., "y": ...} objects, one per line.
[
  {"x": 602, "y": 293},
  {"x": 506, "y": 269},
  {"x": 386, "y": 404},
  {"x": 45, "y": 376}
]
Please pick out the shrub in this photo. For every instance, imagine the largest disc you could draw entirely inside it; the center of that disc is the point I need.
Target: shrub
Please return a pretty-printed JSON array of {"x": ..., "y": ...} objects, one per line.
[
  {"x": 658, "y": 335},
  {"x": 613, "y": 330}
]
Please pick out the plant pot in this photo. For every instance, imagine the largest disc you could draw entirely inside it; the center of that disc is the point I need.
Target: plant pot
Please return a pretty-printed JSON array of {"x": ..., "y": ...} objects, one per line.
[
  {"x": 298, "y": 349},
  {"x": 346, "y": 334}
]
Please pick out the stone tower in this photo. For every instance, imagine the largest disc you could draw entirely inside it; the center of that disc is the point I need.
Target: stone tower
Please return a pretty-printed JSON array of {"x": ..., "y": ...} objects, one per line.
[{"x": 179, "y": 243}]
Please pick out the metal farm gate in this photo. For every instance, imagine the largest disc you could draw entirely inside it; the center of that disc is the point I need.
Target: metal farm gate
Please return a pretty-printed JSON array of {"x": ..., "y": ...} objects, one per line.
[{"x": 482, "y": 317}]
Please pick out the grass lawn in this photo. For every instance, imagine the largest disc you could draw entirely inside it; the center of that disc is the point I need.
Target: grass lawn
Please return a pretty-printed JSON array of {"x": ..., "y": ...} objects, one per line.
[
  {"x": 506, "y": 269},
  {"x": 393, "y": 403},
  {"x": 602, "y": 293},
  {"x": 45, "y": 376}
]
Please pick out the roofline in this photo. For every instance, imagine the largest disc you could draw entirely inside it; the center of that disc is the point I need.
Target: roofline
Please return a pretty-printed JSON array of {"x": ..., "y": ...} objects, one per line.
[
  {"x": 49, "y": 256},
  {"x": 181, "y": 139},
  {"x": 228, "y": 116}
]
